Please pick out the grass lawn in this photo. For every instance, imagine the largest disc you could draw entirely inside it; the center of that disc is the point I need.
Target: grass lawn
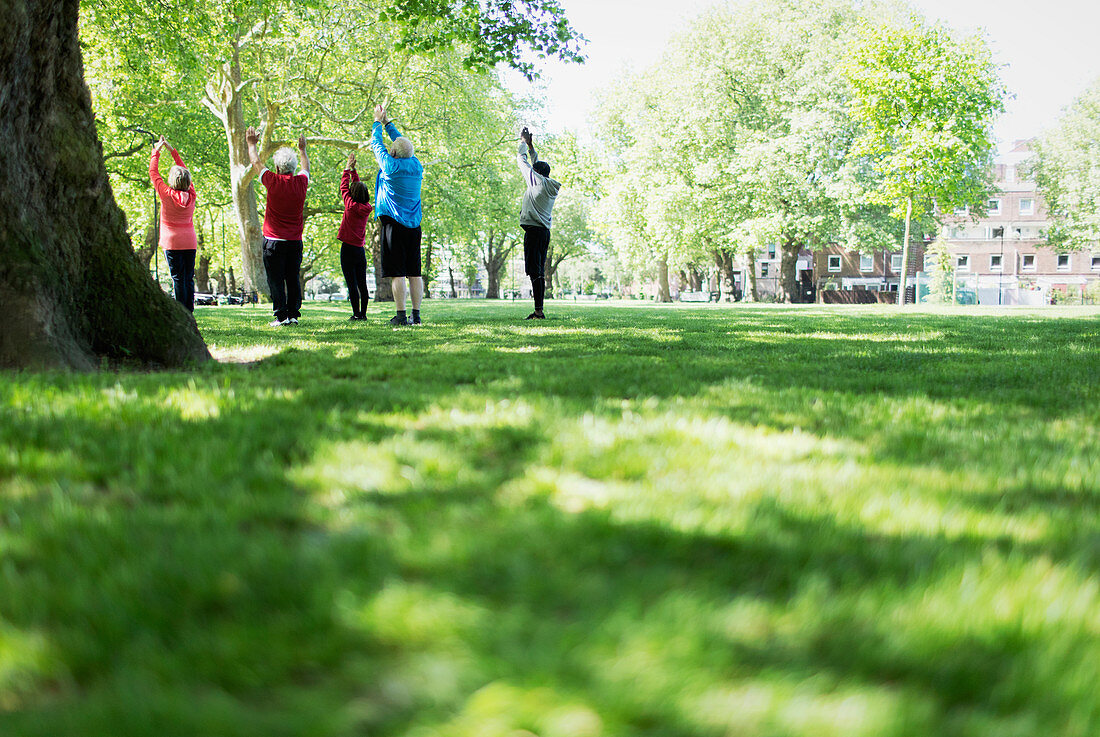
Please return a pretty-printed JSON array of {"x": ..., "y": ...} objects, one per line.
[{"x": 625, "y": 520}]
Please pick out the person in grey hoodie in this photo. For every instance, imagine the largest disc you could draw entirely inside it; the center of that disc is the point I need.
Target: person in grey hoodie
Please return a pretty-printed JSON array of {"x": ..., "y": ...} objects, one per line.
[{"x": 534, "y": 218}]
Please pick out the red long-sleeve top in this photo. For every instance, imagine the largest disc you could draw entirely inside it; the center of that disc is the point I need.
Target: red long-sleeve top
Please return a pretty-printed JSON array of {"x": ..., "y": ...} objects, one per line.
[
  {"x": 177, "y": 209},
  {"x": 353, "y": 226}
]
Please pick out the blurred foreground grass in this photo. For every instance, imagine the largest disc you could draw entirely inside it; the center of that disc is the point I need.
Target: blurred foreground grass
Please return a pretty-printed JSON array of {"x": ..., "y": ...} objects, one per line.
[{"x": 626, "y": 520}]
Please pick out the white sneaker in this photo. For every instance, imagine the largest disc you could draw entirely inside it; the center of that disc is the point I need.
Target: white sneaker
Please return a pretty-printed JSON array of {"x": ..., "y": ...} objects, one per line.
[
  {"x": 293, "y": 321},
  {"x": 277, "y": 323}
]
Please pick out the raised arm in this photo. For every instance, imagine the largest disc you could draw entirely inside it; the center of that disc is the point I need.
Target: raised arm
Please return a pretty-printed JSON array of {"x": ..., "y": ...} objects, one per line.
[
  {"x": 302, "y": 151},
  {"x": 154, "y": 169},
  {"x": 253, "y": 139},
  {"x": 527, "y": 148}
]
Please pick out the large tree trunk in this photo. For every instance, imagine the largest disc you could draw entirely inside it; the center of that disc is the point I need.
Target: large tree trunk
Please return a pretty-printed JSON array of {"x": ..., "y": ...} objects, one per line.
[
  {"x": 751, "y": 294},
  {"x": 71, "y": 289},
  {"x": 383, "y": 289},
  {"x": 202, "y": 274},
  {"x": 723, "y": 259},
  {"x": 663, "y": 292},
  {"x": 223, "y": 98},
  {"x": 787, "y": 290}
]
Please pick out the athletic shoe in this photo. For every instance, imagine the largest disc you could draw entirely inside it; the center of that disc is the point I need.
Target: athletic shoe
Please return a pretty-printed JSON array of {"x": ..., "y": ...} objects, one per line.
[
  {"x": 278, "y": 323},
  {"x": 414, "y": 320},
  {"x": 535, "y": 316},
  {"x": 293, "y": 321},
  {"x": 397, "y": 321}
]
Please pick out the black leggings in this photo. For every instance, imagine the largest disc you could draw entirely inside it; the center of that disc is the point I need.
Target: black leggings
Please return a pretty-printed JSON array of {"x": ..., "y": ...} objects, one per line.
[{"x": 353, "y": 262}]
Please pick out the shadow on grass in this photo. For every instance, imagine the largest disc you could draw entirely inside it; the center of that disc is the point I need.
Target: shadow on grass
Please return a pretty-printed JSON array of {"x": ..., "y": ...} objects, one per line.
[{"x": 340, "y": 541}]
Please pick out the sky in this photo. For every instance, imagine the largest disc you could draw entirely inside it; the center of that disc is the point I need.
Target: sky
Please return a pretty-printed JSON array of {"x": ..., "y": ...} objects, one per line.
[{"x": 1048, "y": 49}]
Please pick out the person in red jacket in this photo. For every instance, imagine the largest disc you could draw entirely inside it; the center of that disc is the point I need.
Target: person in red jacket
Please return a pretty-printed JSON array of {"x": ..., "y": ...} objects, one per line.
[
  {"x": 284, "y": 222},
  {"x": 352, "y": 237},
  {"x": 177, "y": 227}
]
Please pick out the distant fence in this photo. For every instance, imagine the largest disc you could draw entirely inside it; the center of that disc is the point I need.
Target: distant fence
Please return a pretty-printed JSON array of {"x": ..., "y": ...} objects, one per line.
[{"x": 857, "y": 297}]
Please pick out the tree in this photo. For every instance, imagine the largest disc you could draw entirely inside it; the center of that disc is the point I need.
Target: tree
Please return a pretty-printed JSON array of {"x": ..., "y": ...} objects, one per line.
[
  {"x": 71, "y": 289},
  {"x": 925, "y": 102},
  {"x": 1067, "y": 170}
]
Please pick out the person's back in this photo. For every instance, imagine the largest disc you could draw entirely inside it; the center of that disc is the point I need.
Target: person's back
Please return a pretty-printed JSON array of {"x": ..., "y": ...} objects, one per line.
[
  {"x": 286, "y": 198},
  {"x": 397, "y": 186},
  {"x": 541, "y": 193}
]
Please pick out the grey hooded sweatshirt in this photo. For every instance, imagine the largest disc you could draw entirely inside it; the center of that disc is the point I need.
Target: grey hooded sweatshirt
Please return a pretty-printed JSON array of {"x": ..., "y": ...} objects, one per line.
[{"x": 538, "y": 200}]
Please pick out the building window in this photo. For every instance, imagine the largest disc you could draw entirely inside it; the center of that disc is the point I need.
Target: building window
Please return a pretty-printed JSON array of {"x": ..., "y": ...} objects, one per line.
[
  {"x": 996, "y": 262},
  {"x": 866, "y": 263},
  {"x": 993, "y": 206},
  {"x": 962, "y": 211},
  {"x": 894, "y": 287},
  {"x": 1096, "y": 262},
  {"x": 764, "y": 269},
  {"x": 895, "y": 261},
  {"x": 771, "y": 250},
  {"x": 962, "y": 262},
  {"x": 834, "y": 263},
  {"x": 1063, "y": 262},
  {"x": 1028, "y": 262},
  {"x": 1027, "y": 206}
]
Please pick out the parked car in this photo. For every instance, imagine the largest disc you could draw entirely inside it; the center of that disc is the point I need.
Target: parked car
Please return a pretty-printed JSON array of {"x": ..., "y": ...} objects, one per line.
[
  {"x": 230, "y": 299},
  {"x": 205, "y": 299}
]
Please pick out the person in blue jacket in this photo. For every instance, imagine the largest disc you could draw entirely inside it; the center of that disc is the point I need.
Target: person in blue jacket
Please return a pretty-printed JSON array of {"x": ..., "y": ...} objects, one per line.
[{"x": 397, "y": 207}]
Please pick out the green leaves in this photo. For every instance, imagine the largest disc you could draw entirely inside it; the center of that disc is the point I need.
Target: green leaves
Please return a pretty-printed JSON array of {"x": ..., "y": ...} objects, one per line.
[{"x": 1067, "y": 170}]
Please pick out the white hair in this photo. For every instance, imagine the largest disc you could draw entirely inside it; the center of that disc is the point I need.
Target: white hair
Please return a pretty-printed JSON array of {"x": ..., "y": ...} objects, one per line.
[
  {"x": 402, "y": 148},
  {"x": 286, "y": 161}
]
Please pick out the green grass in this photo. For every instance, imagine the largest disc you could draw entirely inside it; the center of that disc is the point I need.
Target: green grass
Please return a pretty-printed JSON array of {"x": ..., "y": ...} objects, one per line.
[{"x": 625, "y": 520}]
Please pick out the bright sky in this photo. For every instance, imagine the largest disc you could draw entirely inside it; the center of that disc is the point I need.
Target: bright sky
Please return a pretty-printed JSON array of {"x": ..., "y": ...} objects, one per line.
[{"x": 1048, "y": 47}]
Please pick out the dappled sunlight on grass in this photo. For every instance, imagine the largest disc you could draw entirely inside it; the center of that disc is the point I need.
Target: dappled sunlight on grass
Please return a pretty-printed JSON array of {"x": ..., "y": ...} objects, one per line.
[{"x": 628, "y": 520}]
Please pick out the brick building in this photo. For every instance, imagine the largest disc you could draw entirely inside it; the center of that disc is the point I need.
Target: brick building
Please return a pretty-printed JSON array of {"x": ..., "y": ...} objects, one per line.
[{"x": 1001, "y": 258}]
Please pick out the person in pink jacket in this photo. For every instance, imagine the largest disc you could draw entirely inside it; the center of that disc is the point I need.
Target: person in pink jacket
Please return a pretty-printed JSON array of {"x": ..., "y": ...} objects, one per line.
[{"x": 177, "y": 227}]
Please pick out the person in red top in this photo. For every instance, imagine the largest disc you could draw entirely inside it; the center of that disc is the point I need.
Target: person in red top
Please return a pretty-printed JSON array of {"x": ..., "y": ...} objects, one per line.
[
  {"x": 177, "y": 227},
  {"x": 352, "y": 237},
  {"x": 283, "y": 225}
]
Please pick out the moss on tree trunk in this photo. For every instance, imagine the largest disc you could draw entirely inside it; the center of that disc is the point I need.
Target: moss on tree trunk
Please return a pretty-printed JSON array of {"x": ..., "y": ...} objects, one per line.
[{"x": 72, "y": 290}]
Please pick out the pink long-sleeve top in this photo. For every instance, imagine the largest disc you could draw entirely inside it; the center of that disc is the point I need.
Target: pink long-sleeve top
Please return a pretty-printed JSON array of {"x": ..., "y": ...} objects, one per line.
[
  {"x": 177, "y": 209},
  {"x": 353, "y": 226}
]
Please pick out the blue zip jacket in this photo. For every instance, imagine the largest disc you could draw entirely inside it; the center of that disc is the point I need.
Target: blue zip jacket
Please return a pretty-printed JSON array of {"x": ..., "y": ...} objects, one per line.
[{"x": 397, "y": 186}]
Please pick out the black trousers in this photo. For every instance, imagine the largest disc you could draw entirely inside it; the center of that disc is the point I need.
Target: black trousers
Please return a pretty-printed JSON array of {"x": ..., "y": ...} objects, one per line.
[
  {"x": 181, "y": 266},
  {"x": 282, "y": 261},
  {"x": 353, "y": 262},
  {"x": 536, "y": 242}
]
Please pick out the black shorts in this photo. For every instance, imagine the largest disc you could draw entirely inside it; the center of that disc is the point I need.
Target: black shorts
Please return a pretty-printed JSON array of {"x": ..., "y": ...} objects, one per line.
[
  {"x": 400, "y": 248},
  {"x": 536, "y": 242}
]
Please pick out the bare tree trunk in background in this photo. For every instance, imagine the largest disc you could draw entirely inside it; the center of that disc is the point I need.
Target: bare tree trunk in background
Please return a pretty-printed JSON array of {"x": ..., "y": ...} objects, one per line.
[
  {"x": 723, "y": 259},
  {"x": 663, "y": 292},
  {"x": 383, "y": 290},
  {"x": 224, "y": 99},
  {"x": 223, "y": 285},
  {"x": 427, "y": 264},
  {"x": 454, "y": 291},
  {"x": 788, "y": 272},
  {"x": 751, "y": 295},
  {"x": 148, "y": 248},
  {"x": 202, "y": 274},
  {"x": 72, "y": 291},
  {"x": 202, "y": 266}
]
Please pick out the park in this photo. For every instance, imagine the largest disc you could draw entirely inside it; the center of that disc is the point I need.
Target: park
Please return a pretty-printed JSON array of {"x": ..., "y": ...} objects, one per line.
[{"x": 291, "y": 509}]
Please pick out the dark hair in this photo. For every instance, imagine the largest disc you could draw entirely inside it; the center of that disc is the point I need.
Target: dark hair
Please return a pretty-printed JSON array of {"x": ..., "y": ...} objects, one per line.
[
  {"x": 359, "y": 192},
  {"x": 542, "y": 168}
]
